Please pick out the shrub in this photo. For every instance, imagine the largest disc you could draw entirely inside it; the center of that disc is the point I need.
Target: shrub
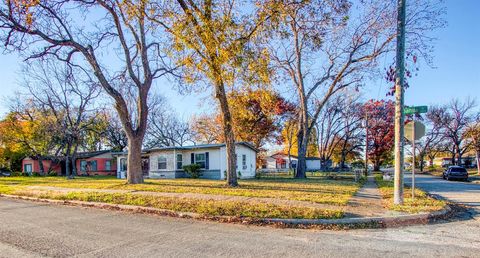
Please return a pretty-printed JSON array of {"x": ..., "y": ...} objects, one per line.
[
  {"x": 193, "y": 170},
  {"x": 239, "y": 174},
  {"x": 258, "y": 174},
  {"x": 52, "y": 173}
]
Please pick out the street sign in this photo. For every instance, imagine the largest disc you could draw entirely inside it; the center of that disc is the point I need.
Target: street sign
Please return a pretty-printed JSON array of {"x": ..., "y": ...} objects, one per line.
[
  {"x": 419, "y": 130},
  {"x": 415, "y": 110}
]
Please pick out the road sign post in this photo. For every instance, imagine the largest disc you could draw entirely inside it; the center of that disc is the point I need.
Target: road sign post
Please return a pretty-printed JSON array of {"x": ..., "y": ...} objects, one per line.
[{"x": 417, "y": 132}]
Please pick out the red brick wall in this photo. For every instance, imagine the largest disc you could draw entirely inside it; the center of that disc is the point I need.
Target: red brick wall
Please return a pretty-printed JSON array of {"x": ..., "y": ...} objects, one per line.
[
  {"x": 47, "y": 165},
  {"x": 101, "y": 170}
]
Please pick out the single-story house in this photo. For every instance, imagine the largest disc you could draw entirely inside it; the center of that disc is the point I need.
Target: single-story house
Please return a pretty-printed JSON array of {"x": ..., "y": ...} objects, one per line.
[
  {"x": 96, "y": 163},
  {"x": 279, "y": 162},
  {"x": 168, "y": 162},
  {"x": 87, "y": 163},
  {"x": 31, "y": 165}
]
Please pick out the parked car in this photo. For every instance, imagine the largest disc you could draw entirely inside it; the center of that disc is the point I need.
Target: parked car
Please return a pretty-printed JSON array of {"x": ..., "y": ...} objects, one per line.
[
  {"x": 4, "y": 173},
  {"x": 455, "y": 172}
]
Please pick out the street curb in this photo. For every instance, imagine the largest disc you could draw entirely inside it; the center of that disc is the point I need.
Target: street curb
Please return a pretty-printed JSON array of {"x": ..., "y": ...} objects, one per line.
[
  {"x": 373, "y": 222},
  {"x": 346, "y": 223}
]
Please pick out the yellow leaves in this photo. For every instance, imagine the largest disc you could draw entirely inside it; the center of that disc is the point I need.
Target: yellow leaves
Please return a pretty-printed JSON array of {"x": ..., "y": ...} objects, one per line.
[{"x": 23, "y": 8}]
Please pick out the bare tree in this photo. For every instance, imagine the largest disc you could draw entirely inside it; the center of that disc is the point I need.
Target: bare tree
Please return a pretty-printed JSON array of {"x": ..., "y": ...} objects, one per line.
[
  {"x": 165, "y": 129},
  {"x": 430, "y": 145},
  {"x": 323, "y": 47},
  {"x": 453, "y": 120},
  {"x": 353, "y": 131},
  {"x": 69, "y": 95},
  {"x": 111, "y": 40},
  {"x": 329, "y": 127}
]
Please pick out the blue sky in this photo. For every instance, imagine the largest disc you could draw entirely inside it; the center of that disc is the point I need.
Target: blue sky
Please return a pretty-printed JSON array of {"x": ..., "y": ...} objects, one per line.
[{"x": 457, "y": 72}]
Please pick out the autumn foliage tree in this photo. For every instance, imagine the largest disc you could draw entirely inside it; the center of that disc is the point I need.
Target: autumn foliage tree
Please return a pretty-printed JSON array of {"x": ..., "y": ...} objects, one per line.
[
  {"x": 258, "y": 117},
  {"x": 211, "y": 41},
  {"x": 380, "y": 130}
]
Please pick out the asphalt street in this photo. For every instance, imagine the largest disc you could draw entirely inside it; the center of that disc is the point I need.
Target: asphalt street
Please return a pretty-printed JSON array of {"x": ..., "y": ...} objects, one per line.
[{"x": 30, "y": 229}]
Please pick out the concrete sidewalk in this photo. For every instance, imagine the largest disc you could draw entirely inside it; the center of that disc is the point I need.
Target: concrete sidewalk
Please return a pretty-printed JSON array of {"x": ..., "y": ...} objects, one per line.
[{"x": 367, "y": 202}]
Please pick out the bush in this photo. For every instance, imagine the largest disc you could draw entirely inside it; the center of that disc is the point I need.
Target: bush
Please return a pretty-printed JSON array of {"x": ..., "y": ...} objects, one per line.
[
  {"x": 193, "y": 170},
  {"x": 17, "y": 173},
  {"x": 52, "y": 173},
  {"x": 36, "y": 174},
  {"x": 258, "y": 174}
]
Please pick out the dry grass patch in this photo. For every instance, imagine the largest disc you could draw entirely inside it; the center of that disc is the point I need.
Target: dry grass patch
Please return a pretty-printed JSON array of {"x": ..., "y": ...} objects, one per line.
[
  {"x": 200, "y": 206},
  {"x": 421, "y": 203},
  {"x": 317, "y": 190}
]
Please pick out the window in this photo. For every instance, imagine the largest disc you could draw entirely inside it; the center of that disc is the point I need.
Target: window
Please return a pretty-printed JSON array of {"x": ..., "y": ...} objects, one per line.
[
  {"x": 83, "y": 165},
  {"x": 200, "y": 159},
  {"x": 244, "y": 161},
  {"x": 123, "y": 164},
  {"x": 179, "y": 161},
  {"x": 236, "y": 161},
  {"x": 93, "y": 165},
  {"x": 27, "y": 168},
  {"x": 162, "y": 162},
  {"x": 108, "y": 165}
]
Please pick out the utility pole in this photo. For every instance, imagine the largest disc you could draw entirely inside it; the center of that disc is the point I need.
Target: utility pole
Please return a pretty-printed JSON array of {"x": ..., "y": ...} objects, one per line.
[
  {"x": 413, "y": 159},
  {"x": 366, "y": 144},
  {"x": 399, "y": 100}
]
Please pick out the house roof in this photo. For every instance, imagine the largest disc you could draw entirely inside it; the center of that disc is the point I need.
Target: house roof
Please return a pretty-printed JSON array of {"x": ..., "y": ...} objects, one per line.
[
  {"x": 275, "y": 155},
  {"x": 89, "y": 154},
  {"x": 191, "y": 147}
]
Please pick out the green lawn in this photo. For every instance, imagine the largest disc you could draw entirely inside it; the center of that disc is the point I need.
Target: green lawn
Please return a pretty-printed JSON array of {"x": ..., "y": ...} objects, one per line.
[
  {"x": 316, "y": 190},
  {"x": 421, "y": 203}
]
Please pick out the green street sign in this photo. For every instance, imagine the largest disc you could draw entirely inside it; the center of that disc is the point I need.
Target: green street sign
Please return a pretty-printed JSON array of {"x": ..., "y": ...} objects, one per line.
[{"x": 415, "y": 110}]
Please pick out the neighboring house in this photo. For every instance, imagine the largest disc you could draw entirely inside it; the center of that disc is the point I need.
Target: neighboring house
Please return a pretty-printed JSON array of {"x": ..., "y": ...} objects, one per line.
[
  {"x": 168, "y": 162},
  {"x": 96, "y": 163},
  {"x": 31, "y": 165},
  {"x": 467, "y": 161},
  {"x": 279, "y": 162},
  {"x": 87, "y": 163}
]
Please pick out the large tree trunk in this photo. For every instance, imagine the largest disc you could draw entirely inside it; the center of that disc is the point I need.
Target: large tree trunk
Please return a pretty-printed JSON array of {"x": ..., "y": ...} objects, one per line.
[
  {"x": 376, "y": 165},
  {"x": 40, "y": 165},
  {"x": 228, "y": 134},
  {"x": 421, "y": 158},
  {"x": 67, "y": 167},
  {"x": 134, "y": 160},
  {"x": 302, "y": 141},
  {"x": 74, "y": 161},
  {"x": 459, "y": 155}
]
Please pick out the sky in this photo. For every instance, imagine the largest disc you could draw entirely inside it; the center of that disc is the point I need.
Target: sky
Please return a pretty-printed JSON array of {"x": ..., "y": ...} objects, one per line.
[{"x": 456, "y": 73}]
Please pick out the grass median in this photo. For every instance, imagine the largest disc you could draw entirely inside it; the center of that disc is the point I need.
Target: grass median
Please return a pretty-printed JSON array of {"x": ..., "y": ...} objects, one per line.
[
  {"x": 336, "y": 193},
  {"x": 421, "y": 203},
  {"x": 316, "y": 190}
]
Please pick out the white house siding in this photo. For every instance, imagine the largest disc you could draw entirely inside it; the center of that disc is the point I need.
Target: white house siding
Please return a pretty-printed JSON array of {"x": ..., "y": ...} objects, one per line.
[
  {"x": 251, "y": 155},
  {"x": 169, "y": 171},
  {"x": 216, "y": 166},
  {"x": 214, "y": 161},
  {"x": 313, "y": 165}
]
